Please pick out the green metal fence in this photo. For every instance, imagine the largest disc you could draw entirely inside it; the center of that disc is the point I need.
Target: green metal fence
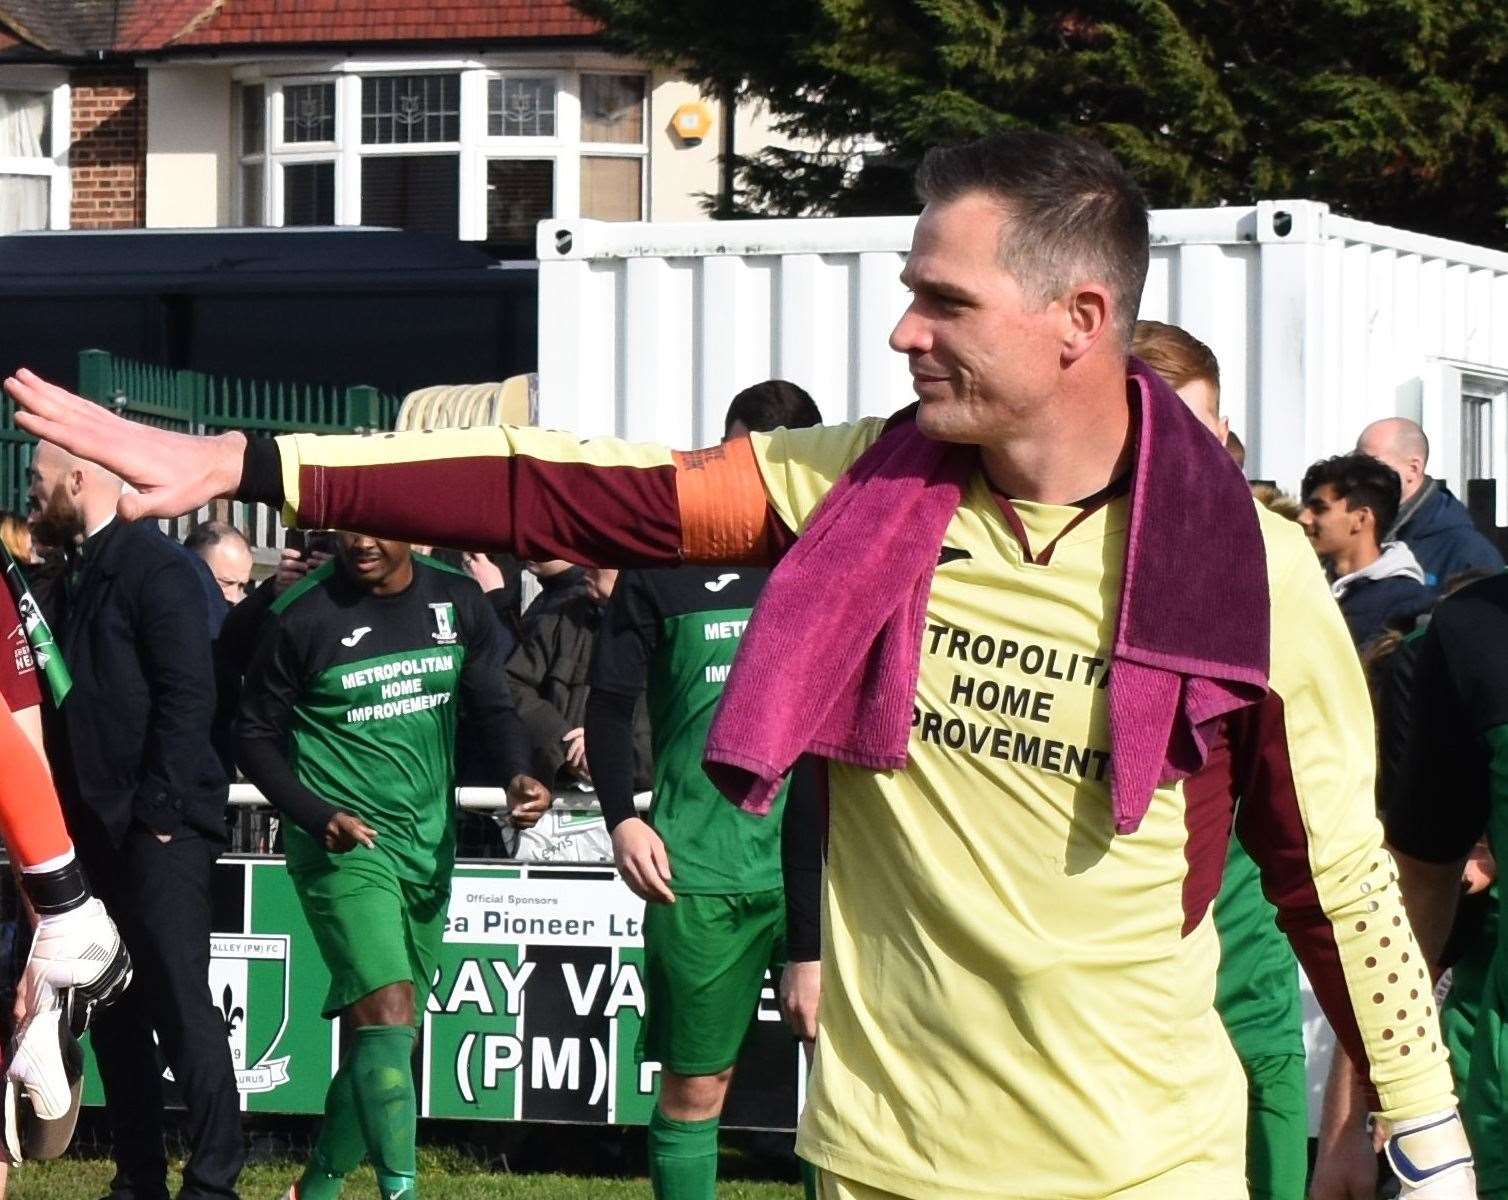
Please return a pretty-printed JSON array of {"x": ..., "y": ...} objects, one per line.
[
  {"x": 15, "y": 458},
  {"x": 195, "y": 402}
]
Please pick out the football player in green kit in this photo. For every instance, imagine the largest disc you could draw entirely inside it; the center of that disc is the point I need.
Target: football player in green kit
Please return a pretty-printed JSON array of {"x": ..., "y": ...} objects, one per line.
[
  {"x": 712, "y": 874},
  {"x": 348, "y": 726}
]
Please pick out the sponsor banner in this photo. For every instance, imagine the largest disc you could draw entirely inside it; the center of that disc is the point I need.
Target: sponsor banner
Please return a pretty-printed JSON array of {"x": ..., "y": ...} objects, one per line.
[{"x": 534, "y": 1015}]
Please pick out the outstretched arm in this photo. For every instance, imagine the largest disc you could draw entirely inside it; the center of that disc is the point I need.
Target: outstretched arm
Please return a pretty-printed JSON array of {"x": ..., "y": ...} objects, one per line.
[{"x": 537, "y": 493}]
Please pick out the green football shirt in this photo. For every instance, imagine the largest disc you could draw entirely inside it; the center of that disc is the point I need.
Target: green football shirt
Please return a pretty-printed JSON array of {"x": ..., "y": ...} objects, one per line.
[
  {"x": 365, "y": 690},
  {"x": 675, "y": 632}
]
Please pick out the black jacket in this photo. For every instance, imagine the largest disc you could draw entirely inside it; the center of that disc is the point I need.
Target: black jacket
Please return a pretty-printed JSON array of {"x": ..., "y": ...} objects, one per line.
[
  {"x": 549, "y": 674},
  {"x": 135, "y": 729}
]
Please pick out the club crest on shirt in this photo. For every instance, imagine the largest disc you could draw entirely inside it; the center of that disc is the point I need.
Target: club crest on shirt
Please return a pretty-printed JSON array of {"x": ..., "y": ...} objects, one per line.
[{"x": 445, "y": 623}]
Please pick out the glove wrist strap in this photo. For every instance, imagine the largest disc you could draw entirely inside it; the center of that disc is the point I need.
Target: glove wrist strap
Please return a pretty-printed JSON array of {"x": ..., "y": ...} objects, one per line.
[{"x": 53, "y": 893}]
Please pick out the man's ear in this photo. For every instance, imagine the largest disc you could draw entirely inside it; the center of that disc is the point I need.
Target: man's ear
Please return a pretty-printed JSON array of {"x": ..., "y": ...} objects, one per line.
[{"x": 1088, "y": 309}]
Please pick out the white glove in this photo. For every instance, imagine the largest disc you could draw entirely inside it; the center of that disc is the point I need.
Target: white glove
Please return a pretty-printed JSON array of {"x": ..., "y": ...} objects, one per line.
[
  {"x": 44, "y": 1082},
  {"x": 1432, "y": 1158},
  {"x": 80, "y": 956}
]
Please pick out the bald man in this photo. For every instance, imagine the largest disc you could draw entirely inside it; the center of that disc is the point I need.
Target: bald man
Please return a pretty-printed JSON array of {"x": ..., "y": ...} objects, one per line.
[
  {"x": 227, "y": 554},
  {"x": 144, "y": 796},
  {"x": 1431, "y": 522}
]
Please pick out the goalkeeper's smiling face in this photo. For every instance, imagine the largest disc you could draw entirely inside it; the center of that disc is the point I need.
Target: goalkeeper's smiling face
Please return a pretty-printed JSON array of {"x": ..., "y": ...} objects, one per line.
[{"x": 374, "y": 564}]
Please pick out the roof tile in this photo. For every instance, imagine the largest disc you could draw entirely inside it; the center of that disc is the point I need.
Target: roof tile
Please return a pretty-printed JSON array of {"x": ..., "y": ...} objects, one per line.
[{"x": 71, "y": 26}]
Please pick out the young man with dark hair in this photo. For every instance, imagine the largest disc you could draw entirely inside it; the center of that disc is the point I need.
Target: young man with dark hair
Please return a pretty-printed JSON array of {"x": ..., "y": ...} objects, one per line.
[
  {"x": 348, "y": 726},
  {"x": 1257, "y": 986},
  {"x": 773, "y": 404},
  {"x": 1349, "y": 500},
  {"x": 1036, "y": 717},
  {"x": 710, "y": 873}
]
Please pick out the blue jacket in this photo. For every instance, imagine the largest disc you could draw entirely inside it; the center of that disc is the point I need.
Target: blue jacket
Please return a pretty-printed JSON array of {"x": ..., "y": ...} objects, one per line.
[
  {"x": 1373, "y": 606},
  {"x": 1388, "y": 593},
  {"x": 1443, "y": 537}
]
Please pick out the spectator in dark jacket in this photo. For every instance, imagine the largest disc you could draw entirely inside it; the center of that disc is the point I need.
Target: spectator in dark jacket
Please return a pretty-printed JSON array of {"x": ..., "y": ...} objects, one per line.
[
  {"x": 560, "y": 582},
  {"x": 549, "y": 674},
  {"x": 144, "y": 797},
  {"x": 1431, "y": 522},
  {"x": 1348, "y": 501}
]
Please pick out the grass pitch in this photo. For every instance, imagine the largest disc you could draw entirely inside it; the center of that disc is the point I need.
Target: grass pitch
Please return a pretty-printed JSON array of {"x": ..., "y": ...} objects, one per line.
[{"x": 442, "y": 1176}]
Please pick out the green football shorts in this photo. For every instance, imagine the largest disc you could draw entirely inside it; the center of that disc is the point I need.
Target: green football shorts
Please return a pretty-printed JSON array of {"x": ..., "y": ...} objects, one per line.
[
  {"x": 1277, "y": 1127},
  {"x": 705, "y": 959},
  {"x": 372, "y": 928}
]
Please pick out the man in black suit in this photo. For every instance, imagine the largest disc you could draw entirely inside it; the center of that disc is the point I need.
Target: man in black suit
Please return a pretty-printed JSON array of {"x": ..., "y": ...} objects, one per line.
[{"x": 144, "y": 796}]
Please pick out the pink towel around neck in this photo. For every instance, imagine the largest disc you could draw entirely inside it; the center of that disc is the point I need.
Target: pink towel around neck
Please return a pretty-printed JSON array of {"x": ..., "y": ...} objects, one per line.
[{"x": 829, "y": 662}]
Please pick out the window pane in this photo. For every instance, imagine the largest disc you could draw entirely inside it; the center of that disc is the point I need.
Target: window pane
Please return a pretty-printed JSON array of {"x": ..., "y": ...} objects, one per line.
[
  {"x": 421, "y": 193},
  {"x": 23, "y": 202},
  {"x": 251, "y": 118},
  {"x": 410, "y": 108},
  {"x": 23, "y": 124},
  {"x": 309, "y": 113},
  {"x": 612, "y": 108},
  {"x": 251, "y": 194},
  {"x": 521, "y": 108},
  {"x": 520, "y": 193},
  {"x": 309, "y": 194},
  {"x": 1476, "y": 435},
  {"x": 610, "y": 188}
]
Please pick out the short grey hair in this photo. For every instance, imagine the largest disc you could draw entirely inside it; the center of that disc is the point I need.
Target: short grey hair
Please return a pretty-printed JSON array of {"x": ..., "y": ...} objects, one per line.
[{"x": 1076, "y": 214}]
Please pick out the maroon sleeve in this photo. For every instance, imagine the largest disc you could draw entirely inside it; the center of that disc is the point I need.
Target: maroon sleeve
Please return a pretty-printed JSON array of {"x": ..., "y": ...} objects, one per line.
[
  {"x": 1271, "y": 826},
  {"x": 539, "y": 494},
  {"x": 18, "y": 670}
]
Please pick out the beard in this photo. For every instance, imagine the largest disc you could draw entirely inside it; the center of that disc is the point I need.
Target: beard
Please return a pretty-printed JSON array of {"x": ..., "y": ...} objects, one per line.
[{"x": 58, "y": 523}]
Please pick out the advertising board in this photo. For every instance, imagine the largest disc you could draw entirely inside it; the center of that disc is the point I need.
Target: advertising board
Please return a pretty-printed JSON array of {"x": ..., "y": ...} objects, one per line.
[{"x": 534, "y": 1014}]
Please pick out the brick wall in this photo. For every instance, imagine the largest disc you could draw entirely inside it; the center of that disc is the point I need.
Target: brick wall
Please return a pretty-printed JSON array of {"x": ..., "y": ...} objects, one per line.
[{"x": 109, "y": 153}]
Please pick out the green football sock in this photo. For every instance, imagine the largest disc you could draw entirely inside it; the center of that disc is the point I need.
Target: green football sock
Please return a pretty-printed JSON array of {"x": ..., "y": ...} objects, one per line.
[
  {"x": 682, "y": 1157},
  {"x": 340, "y": 1146},
  {"x": 809, "y": 1179},
  {"x": 383, "y": 1081}
]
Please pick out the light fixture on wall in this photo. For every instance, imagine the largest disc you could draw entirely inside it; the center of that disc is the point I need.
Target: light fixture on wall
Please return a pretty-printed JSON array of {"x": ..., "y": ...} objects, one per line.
[{"x": 692, "y": 122}]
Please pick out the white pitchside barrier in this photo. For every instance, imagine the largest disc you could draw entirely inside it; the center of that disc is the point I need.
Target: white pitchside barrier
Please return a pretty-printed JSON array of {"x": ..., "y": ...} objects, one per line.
[
  {"x": 477, "y": 799},
  {"x": 1321, "y": 324}
]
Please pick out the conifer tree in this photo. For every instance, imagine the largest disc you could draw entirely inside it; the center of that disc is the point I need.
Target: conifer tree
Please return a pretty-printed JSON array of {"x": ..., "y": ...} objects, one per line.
[{"x": 1391, "y": 110}]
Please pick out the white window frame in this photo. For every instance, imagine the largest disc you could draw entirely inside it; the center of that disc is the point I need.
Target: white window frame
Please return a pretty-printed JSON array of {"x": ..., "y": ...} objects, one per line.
[
  {"x": 475, "y": 148},
  {"x": 54, "y": 165},
  {"x": 1447, "y": 385},
  {"x": 639, "y": 149},
  {"x": 261, "y": 157},
  {"x": 276, "y": 113}
]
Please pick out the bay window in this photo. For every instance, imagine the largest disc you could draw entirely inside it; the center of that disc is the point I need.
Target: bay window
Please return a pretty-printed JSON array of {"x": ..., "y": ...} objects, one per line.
[{"x": 482, "y": 154}]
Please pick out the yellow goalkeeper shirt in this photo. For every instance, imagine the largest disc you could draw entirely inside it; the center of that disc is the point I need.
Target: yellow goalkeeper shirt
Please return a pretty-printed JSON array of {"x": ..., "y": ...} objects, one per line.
[{"x": 1017, "y": 1002}]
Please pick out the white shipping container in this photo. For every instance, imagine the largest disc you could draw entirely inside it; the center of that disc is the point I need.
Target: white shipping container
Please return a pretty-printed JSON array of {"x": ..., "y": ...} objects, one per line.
[{"x": 1321, "y": 324}]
